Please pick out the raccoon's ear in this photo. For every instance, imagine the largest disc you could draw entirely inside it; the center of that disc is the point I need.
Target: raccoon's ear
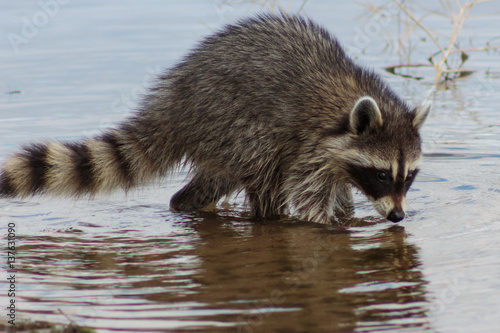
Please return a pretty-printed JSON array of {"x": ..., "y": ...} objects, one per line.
[
  {"x": 365, "y": 115},
  {"x": 421, "y": 114}
]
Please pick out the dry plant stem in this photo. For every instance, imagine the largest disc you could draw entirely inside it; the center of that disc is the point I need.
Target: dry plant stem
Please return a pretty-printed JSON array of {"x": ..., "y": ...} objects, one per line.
[
  {"x": 414, "y": 19},
  {"x": 457, "y": 26},
  {"x": 437, "y": 68},
  {"x": 459, "y": 70},
  {"x": 439, "y": 60},
  {"x": 409, "y": 65},
  {"x": 458, "y": 23},
  {"x": 494, "y": 47},
  {"x": 302, "y": 6}
]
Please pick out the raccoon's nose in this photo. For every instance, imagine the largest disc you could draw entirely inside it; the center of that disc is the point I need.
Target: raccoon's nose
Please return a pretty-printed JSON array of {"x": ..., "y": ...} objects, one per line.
[{"x": 396, "y": 215}]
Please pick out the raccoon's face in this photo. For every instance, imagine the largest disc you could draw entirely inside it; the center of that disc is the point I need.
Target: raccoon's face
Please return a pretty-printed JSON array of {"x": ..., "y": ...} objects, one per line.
[
  {"x": 383, "y": 159},
  {"x": 385, "y": 183}
]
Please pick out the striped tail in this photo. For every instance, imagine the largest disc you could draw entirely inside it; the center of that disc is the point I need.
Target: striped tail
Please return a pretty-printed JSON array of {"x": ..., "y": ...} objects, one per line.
[{"x": 111, "y": 161}]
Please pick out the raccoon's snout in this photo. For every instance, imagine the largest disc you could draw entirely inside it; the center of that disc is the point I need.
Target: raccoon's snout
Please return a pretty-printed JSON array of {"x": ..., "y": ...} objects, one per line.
[
  {"x": 396, "y": 215},
  {"x": 390, "y": 207}
]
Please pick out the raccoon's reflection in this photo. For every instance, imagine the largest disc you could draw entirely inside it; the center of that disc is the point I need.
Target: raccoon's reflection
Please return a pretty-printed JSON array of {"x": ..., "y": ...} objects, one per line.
[{"x": 304, "y": 277}]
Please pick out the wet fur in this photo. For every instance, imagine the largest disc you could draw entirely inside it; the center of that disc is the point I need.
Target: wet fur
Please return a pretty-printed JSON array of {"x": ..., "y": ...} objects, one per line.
[{"x": 263, "y": 106}]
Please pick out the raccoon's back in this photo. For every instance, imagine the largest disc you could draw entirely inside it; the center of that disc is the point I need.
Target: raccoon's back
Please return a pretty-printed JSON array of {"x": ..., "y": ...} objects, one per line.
[
  {"x": 264, "y": 78},
  {"x": 268, "y": 63}
]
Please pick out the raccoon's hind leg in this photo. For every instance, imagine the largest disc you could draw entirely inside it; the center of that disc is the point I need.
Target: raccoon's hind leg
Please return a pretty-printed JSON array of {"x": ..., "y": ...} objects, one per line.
[
  {"x": 201, "y": 191},
  {"x": 266, "y": 202}
]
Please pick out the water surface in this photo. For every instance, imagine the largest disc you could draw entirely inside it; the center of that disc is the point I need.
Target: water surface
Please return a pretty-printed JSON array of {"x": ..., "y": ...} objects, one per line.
[{"x": 127, "y": 263}]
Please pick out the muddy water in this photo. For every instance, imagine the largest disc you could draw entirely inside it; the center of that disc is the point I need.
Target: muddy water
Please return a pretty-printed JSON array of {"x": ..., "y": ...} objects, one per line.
[{"x": 128, "y": 263}]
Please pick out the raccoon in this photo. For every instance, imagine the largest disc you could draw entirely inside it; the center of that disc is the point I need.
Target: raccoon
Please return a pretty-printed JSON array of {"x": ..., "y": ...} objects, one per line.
[{"x": 271, "y": 105}]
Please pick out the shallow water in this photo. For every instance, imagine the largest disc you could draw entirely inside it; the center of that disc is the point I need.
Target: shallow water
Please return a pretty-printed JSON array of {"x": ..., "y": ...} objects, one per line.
[{"x": 127, "y": 263}]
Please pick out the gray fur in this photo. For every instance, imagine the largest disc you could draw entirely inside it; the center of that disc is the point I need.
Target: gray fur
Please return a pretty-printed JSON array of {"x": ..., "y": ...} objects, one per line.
[{"x": 267, "y": 106}]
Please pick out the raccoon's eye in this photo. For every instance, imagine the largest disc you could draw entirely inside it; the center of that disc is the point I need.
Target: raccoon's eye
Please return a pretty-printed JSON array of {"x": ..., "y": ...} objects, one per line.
[
  {"x": 382, "y": 176},
  {"x": 409, "y": 177}
]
